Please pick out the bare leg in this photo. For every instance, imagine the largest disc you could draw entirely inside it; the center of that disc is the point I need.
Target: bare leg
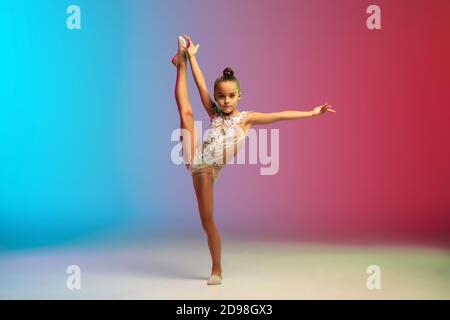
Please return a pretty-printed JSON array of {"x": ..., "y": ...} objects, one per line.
[
  {"x": 203, "y": 184},
  {"x": 184, "y": 107}
]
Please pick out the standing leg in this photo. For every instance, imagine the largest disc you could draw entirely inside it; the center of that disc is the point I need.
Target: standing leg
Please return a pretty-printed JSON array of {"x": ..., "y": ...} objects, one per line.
[{"x": 203, "y": 184}]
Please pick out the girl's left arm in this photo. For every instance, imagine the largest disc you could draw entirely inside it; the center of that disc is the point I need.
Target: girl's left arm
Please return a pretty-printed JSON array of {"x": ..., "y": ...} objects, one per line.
[
  {"x": 255, "y": 118},
  {"x": 197, "y": 73},
  {"x": 203, "y": 91}
]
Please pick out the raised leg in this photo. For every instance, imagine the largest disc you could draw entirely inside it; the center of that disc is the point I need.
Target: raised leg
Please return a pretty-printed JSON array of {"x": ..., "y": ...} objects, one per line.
[{"x": 189, "y": 133}]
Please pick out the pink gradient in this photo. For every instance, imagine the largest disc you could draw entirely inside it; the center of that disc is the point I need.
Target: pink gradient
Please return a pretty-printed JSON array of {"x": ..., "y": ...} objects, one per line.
[{"x": 380, "y": 165}]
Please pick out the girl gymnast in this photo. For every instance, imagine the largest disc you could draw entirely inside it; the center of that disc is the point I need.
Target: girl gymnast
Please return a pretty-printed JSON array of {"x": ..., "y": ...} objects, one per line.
[{"x": 229, "y": 127}]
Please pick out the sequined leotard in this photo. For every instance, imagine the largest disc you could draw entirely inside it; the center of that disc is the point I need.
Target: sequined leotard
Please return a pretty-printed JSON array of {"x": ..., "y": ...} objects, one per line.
[{"x": 225, "y": 139}]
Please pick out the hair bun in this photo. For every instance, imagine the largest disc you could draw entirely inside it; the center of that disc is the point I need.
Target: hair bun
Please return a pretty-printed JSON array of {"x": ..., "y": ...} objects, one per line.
[{"x": 228, "y": 72}]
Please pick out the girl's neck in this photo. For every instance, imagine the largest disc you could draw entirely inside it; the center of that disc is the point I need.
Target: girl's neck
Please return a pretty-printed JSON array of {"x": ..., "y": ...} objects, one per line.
[{"x": 233, "y": 113}]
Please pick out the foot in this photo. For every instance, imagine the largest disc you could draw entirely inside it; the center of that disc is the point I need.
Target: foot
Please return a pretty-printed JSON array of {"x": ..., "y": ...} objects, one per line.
[
  {"x": 214, "y": 279},
  {"x": 182, "y": 44},
  {"x": 175, "y": 60},
  {"x": 181, "y": 54}
]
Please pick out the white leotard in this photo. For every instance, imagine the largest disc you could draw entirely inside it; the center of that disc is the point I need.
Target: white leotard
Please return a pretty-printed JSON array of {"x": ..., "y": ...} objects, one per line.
[{"x": 225, "y": 139}]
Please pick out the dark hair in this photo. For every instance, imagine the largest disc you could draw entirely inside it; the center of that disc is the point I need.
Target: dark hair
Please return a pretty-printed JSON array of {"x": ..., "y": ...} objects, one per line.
[{"x": 228, "y": 75}]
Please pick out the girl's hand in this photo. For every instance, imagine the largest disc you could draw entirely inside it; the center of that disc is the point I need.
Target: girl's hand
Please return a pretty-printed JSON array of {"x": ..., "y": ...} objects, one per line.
[
  {"x": 322, "y": 109},
  {"x": 191, "y": 48}
]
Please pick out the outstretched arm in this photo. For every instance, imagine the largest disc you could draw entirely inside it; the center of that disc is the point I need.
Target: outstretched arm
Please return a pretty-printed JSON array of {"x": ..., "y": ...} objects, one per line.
[
  {"x": 205, "y": 97},
  {"x": 255, "y": 118}
]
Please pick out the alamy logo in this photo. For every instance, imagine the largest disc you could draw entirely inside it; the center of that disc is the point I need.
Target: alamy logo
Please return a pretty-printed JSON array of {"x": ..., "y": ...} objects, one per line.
[
  {"x": 374, "y": 20},
  {"x": 74, "y": 20},
  {"x": 74, "y": 280},
  {"x": 258, "y": 148},
  {"x": 374, "y": 280}
]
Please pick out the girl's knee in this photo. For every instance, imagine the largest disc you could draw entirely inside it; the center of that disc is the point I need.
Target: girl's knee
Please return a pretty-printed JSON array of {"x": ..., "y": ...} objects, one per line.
[{"x": 209, "y": 225}]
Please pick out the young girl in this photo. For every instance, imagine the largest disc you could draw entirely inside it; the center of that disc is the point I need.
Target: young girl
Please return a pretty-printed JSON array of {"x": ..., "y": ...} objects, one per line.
[{"x": 229, "y": 127}]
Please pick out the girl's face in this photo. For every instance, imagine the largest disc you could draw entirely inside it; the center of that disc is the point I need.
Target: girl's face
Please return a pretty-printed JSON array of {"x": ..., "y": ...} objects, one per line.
[{"x": 227, "y": 96}]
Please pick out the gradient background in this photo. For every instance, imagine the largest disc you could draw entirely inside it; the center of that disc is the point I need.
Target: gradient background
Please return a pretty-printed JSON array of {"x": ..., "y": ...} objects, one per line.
[{"x": 86, "y": 118}]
